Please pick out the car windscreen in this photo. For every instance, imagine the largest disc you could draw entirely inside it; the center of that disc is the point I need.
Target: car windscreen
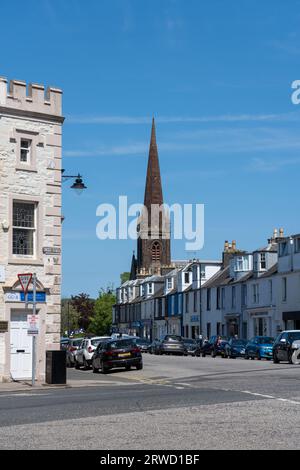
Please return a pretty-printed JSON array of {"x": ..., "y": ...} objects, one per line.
[
  {"x": 294, "y": 336},
  {"x": 265, "y": 340},
  {"x": 239, "y": 342},
  {"x": 76, "y": 342},
  {"x": 121, "y": 344},
  {"x": 189, "y": 341},
  {"x": 95, "y": 342},
  {"x": 173, "y": 338}
]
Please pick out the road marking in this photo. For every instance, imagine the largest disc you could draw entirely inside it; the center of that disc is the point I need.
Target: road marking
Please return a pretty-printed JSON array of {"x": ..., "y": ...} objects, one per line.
[{"x": 286, "y": 400}]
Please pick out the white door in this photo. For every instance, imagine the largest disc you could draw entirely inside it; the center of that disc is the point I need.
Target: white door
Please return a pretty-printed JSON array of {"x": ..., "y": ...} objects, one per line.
[{"x": 20, "y": 347}]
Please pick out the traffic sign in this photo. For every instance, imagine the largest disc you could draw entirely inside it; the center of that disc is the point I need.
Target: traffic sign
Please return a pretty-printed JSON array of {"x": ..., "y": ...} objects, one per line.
[{"x": 25, "y": 280}]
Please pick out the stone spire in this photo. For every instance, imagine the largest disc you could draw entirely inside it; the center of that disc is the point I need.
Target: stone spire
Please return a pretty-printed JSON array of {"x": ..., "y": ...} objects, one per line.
[
  {"x": 153, "y": 189},
  {"x": 153, "y": 244}
]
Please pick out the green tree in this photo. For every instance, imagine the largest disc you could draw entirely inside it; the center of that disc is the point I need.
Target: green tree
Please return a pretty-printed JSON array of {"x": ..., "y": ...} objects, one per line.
[
  {"x": 85, "y": 307},
  {"x": 124, "y": 277},
  {"x": 102, "y": 319}
]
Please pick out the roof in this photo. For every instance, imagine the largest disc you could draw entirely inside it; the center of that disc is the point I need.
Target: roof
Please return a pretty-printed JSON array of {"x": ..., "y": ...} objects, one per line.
[
  {"x": 271, "y": 271},
  {"x": 218, "y": 279}
]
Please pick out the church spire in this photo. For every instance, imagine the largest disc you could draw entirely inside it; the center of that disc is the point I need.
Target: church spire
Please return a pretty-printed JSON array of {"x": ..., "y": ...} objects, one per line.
[{"x": 153, "y": 189}]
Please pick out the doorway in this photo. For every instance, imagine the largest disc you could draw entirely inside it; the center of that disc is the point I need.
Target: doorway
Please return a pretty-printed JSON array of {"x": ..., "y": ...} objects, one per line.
[{"x": 20, "y": 347}]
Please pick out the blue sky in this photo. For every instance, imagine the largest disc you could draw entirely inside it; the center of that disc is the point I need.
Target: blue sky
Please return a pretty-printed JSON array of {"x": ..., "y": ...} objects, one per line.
[{"x": 216, "y": 75}]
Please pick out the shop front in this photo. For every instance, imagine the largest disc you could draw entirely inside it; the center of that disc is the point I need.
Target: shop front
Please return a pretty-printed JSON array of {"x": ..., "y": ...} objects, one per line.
[{"x": 291, "y": 320}]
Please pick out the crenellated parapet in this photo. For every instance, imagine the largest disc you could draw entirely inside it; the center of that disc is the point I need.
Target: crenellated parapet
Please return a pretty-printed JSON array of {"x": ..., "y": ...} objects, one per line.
[{"x": 31, "y": 98}]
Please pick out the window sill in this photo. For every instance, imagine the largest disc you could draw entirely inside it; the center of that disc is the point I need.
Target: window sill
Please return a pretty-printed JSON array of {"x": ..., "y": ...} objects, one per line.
[
  {"x": 31, "y": 169},
  {"x": 27, "y": 261}
]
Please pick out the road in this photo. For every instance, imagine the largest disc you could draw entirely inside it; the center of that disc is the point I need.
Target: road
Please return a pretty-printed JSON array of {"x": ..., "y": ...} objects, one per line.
[{"x": 173, "y": 403}]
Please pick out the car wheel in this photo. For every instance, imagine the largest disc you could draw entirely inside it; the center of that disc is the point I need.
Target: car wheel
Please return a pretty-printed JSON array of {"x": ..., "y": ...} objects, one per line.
[
  {"x": 85, "y": 364},
  {"x": 258, "y": 356},
  {"x": 104, "y": 368},
  {"x": 127, "y": 367},
  {"x": 275, "y": 358},
  {"x": 203, "y": 355},
  {"x": 290, "y": 357},
  {"x": 95, "y": 369},
  {"x": 77, "y": 366},
  {"x": 246, "y": 357},
  {"x": 139, "y": 366}
]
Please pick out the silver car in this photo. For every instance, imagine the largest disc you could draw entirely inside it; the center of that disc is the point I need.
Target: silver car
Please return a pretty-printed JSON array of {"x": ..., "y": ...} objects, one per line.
[{"x": 83, "y": 356}]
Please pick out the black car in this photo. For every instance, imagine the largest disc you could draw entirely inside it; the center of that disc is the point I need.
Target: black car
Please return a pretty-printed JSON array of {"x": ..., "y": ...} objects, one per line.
[
  {"x": 283, "y": 346},
  {"x": 153, "y": 347},
  {"x": 143, "y": 344},
  {"x": 234, "y": 348},
  {"x": 213, "y": 347},
  {"x": 171, "y": 344},
  {"x": 192, "y": 347},
  {"x": 117, "y": 353}
]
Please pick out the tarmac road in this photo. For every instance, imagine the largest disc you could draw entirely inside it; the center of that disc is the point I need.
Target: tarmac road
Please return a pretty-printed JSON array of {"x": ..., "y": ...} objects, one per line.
[{"x": 173, "y": 403}]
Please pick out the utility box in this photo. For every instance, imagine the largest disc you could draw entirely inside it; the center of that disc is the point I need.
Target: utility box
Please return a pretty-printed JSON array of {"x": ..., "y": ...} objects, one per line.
[{"x": 56, "y": 371}]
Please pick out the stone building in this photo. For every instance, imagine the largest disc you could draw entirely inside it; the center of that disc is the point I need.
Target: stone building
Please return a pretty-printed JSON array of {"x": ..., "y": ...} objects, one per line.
[{"x": 30, "y": 222}]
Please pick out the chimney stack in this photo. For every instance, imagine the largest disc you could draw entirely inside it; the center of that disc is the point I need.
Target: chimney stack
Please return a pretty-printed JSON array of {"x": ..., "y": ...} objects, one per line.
[{"x": 281, "y": 233}]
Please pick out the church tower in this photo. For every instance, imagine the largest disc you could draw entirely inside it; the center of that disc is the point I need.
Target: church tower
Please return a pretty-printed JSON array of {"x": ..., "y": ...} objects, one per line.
[{"x": 153, "y": 245}]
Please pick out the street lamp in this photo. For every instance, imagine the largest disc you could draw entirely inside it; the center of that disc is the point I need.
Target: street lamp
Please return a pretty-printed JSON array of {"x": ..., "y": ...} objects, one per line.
[{"x": 78, "y": 185}]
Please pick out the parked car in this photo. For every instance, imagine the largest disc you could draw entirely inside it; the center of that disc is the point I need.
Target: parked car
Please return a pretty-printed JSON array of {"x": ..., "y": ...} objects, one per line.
[
  {"x": 142, "y": 343},
  {"x": 73, "y": 346},
  {"x": 171, "y": 344},
  {"x": 234, "y": 348},
  {"x": 115, "y": 353},
  {"x": 211, "y": 348},
  {"x": 192, "y": 347},
  {"x": 285, "y": 345},
  {"x": 259, "y": 347},
  {"x": 84, "y": 354},
  {"x": 64, "y": 343},
  {"x": 153, "y": 347}
]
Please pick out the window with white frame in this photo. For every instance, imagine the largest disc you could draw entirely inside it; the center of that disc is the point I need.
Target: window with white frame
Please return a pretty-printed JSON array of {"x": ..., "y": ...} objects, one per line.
[
  {"x": 241, "y": 263},
  {"x": 24, "y": 228},
  {"x": 170, "y": 283},
  {"x": 150, "y": 288},
  {"x": 263, "y": 261},
  {"x": 186, "y": 278},
  {"x": 25, "y": 151}
]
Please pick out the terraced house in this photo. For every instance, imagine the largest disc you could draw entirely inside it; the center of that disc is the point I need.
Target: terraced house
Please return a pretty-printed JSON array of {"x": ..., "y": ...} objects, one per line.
[{"x": 30, "y": 222}]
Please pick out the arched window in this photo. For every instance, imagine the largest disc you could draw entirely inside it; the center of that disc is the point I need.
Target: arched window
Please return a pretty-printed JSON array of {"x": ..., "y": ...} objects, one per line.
[{"x": 155, "y": 251}]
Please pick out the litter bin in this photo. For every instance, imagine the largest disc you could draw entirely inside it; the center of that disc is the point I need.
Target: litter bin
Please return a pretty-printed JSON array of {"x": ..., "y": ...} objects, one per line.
[{"x": 56, "y": 371}]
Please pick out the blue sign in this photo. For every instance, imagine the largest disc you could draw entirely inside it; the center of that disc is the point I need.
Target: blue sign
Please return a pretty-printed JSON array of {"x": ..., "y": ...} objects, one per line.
[
  {"x": 40, "y": 297},
  {"x": 195, "y": 318}
]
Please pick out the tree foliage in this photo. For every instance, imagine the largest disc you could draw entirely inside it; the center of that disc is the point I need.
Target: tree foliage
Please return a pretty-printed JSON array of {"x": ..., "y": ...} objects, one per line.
[
  {"x": 85, "y": 308},
  {"x": 102, "y": 320}
]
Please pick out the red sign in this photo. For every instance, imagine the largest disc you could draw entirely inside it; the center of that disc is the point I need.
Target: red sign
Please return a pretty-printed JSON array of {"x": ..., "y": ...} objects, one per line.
[{"x": 25, "y": 280}]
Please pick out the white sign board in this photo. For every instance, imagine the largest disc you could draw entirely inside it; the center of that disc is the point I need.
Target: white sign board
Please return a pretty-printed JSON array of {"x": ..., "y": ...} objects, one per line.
[{"x": 32, "y": 321}]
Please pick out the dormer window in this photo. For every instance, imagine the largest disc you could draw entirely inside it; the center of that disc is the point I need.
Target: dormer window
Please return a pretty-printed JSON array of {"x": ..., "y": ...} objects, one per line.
[
  {"x": 283, "y": 249},
  {"x": 297, "y": 245},
  {"x": 241, "y": 263},
  {"x": 263, "y": 263},
  {"x": 150, "y": 288},
  {"x": 186, "y": 278},
  {"x": 169, "y": 283}
]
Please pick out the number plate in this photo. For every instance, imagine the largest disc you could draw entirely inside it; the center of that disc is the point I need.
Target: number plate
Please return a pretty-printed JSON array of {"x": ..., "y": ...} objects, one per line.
[{"x": 124, "y": 355}]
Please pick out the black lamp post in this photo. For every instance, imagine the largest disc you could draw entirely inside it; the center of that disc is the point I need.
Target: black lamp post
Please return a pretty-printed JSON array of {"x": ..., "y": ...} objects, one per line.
[{"x": 78, "y": 185}]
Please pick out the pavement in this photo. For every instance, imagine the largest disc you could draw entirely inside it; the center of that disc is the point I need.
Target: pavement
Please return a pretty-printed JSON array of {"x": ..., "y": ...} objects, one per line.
[{"x": 173, "y": 403}]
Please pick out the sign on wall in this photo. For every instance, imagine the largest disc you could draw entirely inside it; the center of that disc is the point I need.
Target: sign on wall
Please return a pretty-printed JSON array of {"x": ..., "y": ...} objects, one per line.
[{"x": 3, "y": 326}]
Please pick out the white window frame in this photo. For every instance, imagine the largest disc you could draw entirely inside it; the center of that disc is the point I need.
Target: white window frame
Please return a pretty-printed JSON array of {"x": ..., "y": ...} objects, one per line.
[{"x": 29, "y": 229}]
